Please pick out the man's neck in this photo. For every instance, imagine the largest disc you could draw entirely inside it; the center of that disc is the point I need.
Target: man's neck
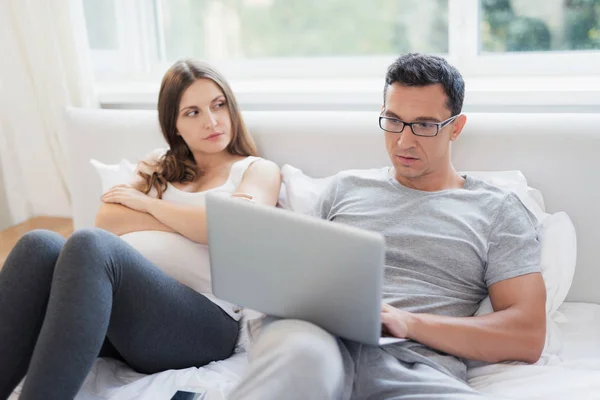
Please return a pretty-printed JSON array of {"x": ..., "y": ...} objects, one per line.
[{"x": 432, "y": 182}]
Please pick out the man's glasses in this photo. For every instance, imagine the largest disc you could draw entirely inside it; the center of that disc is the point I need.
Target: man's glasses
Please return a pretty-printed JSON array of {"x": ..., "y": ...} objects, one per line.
[{"x": 427, "y": 129}]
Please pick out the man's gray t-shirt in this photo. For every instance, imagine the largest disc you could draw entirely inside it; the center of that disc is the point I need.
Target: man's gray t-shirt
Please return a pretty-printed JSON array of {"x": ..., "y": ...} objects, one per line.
[{"x": 444, "y": 249}]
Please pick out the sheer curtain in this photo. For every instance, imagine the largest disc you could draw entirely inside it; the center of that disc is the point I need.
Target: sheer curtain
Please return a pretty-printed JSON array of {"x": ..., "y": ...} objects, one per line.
[{"x": 45, "y": 67}]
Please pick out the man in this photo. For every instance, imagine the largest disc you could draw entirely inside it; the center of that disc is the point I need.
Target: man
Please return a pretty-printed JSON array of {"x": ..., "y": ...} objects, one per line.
[{"x": 451, "y": 241}]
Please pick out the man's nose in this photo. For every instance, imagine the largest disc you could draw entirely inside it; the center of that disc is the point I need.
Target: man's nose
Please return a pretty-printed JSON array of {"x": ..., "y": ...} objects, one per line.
[{"x": 406, "y": 139}]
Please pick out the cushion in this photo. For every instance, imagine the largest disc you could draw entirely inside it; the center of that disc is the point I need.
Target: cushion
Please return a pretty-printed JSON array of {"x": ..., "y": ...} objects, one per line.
[
  {"x": 300, "y": 192},
  {"x": 124, "y": 172},
  {"x": 113, "y": 175},
  {"x": 558, "y": 257}
]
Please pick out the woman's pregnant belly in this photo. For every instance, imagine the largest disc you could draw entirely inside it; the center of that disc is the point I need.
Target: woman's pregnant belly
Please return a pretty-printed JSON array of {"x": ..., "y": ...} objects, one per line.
[{"x": 184, "y": 260}]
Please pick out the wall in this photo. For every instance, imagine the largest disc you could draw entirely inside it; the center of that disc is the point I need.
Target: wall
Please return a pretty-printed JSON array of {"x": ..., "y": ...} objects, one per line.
[{"x": 5, "y": 219}]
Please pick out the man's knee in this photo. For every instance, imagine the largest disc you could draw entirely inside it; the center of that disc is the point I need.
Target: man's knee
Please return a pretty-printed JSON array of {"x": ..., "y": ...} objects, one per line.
[{"x": 300, "y": 347}]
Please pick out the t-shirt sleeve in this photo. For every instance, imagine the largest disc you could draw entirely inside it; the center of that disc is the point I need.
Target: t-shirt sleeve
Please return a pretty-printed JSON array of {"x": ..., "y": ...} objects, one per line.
[
  {"x": 326, "y": 200},
  {"x": 513, "y": 244}
]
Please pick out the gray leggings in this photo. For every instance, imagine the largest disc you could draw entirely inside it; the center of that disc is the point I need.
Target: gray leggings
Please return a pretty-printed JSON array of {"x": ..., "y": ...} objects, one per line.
[{"x": 63, "y": 304}]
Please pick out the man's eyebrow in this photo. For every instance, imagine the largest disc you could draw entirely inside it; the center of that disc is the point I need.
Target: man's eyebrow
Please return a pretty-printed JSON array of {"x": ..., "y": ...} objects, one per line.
[
  {"x": 391, "y": 114},
  {"x": 428, "y": 119},
  {"x": 388, "y": 113}
]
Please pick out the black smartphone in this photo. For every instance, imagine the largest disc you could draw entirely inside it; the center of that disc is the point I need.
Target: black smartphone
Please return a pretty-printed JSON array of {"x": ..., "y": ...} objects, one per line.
[{"x": 187, "y": 395}]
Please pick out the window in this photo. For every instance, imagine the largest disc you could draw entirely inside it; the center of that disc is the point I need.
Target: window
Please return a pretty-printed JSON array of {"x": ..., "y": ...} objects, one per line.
[
  {"x": 525, "y": 25},
  {"x": 254, "y": 29},
  {"x": 339, "y": 49},
  {"x": 99, "y": 17},
  {"x": 315, "y": 37},
  {"x": 136, "y": 39}
]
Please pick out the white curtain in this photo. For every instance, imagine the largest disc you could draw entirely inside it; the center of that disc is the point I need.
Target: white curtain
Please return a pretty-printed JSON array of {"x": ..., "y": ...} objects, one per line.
[{"x": 45, "y": 67}]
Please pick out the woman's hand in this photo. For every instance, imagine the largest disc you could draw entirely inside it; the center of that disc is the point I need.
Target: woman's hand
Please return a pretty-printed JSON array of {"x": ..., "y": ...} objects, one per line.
[
  {"x": 243, "y": 196},
  {"x": 128, "y": 197}
]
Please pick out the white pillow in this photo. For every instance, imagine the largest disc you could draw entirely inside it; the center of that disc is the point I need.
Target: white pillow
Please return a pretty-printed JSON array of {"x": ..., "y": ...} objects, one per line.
[
  {"x": 113, "y": 175},
  {"x": 300, "y": 192},
  {"x": 558, "y": 258},
  {"x": 124, "y": 172},
  {"x": 513, "y": 178},
  {"x": 537, "y": 196}
]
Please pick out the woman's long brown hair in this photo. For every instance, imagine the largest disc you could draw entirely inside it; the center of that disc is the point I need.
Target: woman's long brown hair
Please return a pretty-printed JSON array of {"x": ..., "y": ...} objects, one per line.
[{"x": 178, "y": 164}]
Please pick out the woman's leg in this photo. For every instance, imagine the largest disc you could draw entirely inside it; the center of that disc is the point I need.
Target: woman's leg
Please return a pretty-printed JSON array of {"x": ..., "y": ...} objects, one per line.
[
  {"x": 25, "y": 281},
  {"x": 102, "y": 287}
]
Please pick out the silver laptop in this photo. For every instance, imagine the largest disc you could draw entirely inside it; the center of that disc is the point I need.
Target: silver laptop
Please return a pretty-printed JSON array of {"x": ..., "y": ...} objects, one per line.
[{"x": 293, "y": 266}]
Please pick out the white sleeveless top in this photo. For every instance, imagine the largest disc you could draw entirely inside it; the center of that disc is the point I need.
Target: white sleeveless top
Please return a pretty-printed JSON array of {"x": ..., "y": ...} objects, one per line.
[{"x": 179, "y": 257}]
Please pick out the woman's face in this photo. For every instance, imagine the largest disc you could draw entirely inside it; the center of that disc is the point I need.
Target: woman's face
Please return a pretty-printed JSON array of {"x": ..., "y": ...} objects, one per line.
[{"x": 203, "y": 120}]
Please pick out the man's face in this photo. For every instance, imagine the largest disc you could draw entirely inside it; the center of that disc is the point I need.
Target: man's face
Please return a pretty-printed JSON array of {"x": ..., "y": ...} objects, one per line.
[{"x": 415, "y": 157}]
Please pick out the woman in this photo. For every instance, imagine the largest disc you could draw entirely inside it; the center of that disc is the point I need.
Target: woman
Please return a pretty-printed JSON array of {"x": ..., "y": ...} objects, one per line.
[{"x": 62, "y": 304}]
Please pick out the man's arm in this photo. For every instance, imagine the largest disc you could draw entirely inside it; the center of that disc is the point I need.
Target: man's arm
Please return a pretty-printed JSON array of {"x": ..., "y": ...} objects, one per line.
[{"x": 515, "y": 331}]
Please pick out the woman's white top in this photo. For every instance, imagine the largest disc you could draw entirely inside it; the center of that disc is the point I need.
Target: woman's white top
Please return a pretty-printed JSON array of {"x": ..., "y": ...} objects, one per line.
[{"x": 179, "y": 257}]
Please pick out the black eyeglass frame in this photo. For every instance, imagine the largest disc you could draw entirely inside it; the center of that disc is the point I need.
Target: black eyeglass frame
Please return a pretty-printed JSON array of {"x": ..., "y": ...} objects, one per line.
[{"x": 439, "y": 125}]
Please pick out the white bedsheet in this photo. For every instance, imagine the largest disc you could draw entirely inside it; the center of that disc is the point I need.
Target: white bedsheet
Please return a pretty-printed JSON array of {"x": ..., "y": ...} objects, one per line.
[{"x": 575, "y": 376}]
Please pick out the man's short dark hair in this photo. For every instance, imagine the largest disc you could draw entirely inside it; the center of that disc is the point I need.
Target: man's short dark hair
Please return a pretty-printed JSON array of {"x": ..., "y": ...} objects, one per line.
[{"x": 416, "y": 69}]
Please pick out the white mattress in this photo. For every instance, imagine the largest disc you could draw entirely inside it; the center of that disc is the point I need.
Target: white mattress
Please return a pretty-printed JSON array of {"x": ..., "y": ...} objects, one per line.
[{"x": 575, "y": 376}]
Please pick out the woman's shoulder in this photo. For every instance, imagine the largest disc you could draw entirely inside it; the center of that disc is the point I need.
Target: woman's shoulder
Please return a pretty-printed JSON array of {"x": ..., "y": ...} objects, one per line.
[
  {"x": 252, "y": 165},
  {"x": 257, "y": 165}
]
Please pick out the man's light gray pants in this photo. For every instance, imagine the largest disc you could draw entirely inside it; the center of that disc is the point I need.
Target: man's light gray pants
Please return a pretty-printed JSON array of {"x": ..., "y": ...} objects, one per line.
[{"x": 292, "y": 359}]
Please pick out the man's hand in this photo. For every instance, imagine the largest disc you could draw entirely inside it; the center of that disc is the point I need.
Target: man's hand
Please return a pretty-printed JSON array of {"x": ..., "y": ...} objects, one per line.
[
  {"x": 128, "y": 197},
  {"x": 395, "y": 322}
]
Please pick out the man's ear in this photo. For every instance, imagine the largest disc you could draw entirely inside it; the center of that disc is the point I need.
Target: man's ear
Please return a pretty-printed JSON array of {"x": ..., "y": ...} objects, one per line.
[{"x": 457, "y": 127}]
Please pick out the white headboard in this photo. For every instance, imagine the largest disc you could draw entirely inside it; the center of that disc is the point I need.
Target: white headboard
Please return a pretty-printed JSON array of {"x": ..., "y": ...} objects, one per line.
[{"x": 559, "y": 154}]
